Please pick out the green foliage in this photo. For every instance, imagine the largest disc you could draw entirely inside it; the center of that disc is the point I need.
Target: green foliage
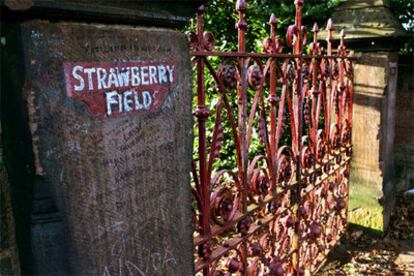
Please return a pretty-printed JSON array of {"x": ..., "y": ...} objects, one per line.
[
  {"x": 404, "y": 10},
  {"x": 220, "y": 19}
]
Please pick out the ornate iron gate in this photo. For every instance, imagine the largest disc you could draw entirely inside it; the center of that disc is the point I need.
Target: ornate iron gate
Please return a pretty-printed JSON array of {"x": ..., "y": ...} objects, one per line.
[{"x": 279, "y": 212}]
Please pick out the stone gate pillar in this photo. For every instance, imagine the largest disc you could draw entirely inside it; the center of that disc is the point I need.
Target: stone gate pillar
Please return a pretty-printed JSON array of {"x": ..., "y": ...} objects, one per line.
[
  {"x": 97, "y": 130},
  {"x": 376, "y": 36}
]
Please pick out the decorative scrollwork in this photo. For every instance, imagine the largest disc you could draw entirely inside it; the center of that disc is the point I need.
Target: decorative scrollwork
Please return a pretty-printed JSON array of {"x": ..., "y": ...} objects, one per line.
[
  {"x": 285, "y": 166},
  {"x": 225, "y": 200},
  {"x": 192, "y": 40},
  {"x": 208, "y": 41},
  {"x": 272, "y": 162},
  {"x": 255, "y": 76},
  {"x": 227, "y": 74}
]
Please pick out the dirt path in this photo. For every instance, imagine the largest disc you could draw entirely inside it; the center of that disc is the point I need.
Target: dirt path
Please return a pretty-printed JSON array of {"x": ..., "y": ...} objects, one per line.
[{"x": 361, "y": 254}]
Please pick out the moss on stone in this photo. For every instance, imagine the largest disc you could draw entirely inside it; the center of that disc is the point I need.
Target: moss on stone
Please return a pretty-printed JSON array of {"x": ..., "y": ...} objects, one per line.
[
  {"x": 367, "y": 217},
  {"x": 362, "y": 196},
  {"x": 365, "y": 209}
]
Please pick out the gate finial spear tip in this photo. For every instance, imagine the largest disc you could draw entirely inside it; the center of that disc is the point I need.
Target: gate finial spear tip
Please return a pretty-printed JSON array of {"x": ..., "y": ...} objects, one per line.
[
  {"x": 299, "y": 2},
  {"x": 329, "y": 26},
  {"x": 315, "y": 28},
  {"x": 241, "y": 5},
  {"x": 343, "y": 33},
  {"x": 200, "y": 9},
  {"x": 273, "y": 19}
]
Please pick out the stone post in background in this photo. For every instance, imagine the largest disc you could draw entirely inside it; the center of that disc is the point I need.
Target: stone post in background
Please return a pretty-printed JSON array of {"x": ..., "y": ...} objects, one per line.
[
  {"x": 404, "y": 124},
  {"x": 376, "y": 36},
  {"x": 97, "y": 131}
]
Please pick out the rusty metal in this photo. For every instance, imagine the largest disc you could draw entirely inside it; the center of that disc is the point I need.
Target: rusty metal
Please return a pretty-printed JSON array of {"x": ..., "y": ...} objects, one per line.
[{"x": 281, "y": 211}]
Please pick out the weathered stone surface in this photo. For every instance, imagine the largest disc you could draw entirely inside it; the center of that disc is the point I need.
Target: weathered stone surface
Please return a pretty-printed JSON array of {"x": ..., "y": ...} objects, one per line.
[
  {"x": 372, "y": 187},
  {"x": 143, "y": 12},
  {"x": 367, "y": 19},
  {"x": 119, "y": 184}
]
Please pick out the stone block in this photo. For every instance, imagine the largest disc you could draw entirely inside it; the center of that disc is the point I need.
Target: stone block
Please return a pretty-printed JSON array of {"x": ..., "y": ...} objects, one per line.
[{"x": 114, "y": 185}]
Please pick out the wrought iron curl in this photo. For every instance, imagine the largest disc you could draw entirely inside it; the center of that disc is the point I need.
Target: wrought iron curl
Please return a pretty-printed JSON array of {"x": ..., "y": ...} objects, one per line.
[{"x": 280, "y": 210}]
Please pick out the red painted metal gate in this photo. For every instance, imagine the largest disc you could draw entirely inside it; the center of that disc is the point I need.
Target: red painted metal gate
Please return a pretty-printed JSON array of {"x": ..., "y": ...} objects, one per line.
[{"x": 283, "y": 206}]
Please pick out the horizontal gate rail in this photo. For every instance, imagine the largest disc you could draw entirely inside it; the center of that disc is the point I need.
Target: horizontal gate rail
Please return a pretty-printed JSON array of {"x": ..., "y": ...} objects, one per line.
[{"x": 284, "y": 204}]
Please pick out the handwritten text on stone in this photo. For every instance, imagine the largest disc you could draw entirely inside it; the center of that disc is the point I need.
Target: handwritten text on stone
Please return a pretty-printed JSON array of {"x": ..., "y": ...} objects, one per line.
[{"x": 112, "y": 89}]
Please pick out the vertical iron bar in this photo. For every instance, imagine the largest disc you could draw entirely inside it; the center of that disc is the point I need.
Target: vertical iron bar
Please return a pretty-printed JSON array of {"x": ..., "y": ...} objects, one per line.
[
  {"x": 329, "y": 95},
  {"x": 341, "y": 81},
  {"x": 241, "y": 26},
  {"x": 315, "y": 96},
  {"x": 273, "y": 102},
  {"x": 299, "y": 114},
  {"x": 202, "y": 114}
]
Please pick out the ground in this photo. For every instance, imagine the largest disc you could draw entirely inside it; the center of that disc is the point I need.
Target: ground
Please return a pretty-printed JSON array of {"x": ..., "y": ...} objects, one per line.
[{"x": 360, "y": 253}]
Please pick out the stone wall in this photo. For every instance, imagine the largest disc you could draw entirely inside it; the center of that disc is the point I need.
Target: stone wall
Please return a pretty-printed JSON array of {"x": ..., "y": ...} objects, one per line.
[{"x": 404, "y": 129}]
